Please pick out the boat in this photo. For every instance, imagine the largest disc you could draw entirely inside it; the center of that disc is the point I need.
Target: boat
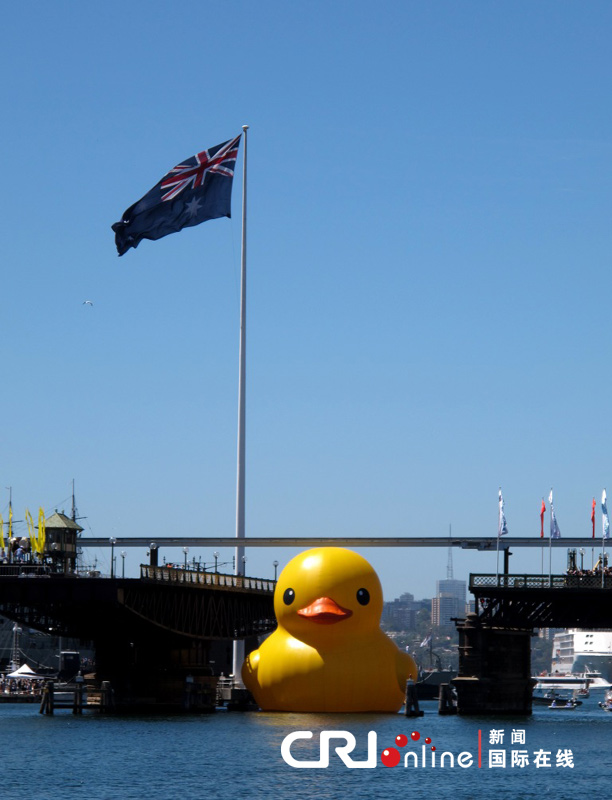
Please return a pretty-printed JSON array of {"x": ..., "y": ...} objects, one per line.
[
  {"x": 430, "y": 680},
  {"x": 606, "y": 703},
  {"x": 554, "y": 696},
  {"x": 581, "y": 684},
  {"x": 548, "y": 697},
  {"x": 578, "y": 651},
  {"x": 570, "y": 705}
]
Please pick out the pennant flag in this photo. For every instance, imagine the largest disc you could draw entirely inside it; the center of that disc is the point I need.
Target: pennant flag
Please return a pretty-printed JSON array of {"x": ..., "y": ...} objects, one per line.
[
  {"x": 502, "y": 526},
  {"x": 593, "y": 517},
  {"x": 555, "y": 533},
  {"x": 426, "y": 640},
  {"x": 605, "y": 521},
  {"x": 195, "y": 191},
  {"x": 542, "y": 510}
]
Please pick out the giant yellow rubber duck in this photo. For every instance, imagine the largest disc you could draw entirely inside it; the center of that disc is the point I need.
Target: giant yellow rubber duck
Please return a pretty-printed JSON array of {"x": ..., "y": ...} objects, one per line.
[{"x": 328, "y": 652}]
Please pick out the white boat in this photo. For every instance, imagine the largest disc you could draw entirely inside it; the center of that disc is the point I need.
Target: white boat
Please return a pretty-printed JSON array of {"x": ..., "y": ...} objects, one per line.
[
  {"x": 578, "y": 651},
  {"x": 574, "y": 682}
]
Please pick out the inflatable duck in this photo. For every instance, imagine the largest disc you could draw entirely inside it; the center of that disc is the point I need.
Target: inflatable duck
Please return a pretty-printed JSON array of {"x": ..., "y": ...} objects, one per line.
[{"x": 328, "y": 652}]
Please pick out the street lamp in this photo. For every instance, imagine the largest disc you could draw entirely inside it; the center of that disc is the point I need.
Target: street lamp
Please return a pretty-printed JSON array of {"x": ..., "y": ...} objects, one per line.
[
  {"x": 275, "y": 563},
  {"x": 216, "y": 555},
  {"x": 581, "y": 558},
  {"x": 123, "y": 555},
  {"x": 186, "y": 551},
  {"x": 244, "y": 560},
  {"x": 113, "y": 542}
]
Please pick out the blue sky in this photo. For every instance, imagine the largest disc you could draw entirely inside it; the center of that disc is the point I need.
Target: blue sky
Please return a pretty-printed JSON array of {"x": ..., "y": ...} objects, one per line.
[{"x": 429, "y": 271}]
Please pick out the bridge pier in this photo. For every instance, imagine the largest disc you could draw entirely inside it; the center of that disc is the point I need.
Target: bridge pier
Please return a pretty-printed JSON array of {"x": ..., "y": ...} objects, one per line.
[{"x": 494, "y": 669}]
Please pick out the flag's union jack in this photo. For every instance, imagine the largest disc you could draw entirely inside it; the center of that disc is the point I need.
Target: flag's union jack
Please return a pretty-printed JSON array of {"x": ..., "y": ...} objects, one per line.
[{"x": 191, "y": 174}]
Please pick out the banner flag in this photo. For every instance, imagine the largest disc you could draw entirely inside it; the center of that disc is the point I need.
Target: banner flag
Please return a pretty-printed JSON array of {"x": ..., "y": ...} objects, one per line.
[
  {"x": 555, "y": 532},
  {"x": 198, "y": 189},
  {"x": 502, "y": 527}
]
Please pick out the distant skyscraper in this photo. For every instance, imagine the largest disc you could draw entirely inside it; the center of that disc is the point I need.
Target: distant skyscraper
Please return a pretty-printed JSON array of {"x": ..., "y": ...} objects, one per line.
[{"x": 449, "y": 601}]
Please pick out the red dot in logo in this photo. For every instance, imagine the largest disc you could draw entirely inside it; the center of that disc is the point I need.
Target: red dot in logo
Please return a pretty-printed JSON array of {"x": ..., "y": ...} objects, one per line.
[
  {"x": 415, "y": 736},
  {"x": 428, "y": 740},
  {"x": 433, "y": 748},
  {"x": 390, "y": 757},
  {"x": 401, "y": 740}
]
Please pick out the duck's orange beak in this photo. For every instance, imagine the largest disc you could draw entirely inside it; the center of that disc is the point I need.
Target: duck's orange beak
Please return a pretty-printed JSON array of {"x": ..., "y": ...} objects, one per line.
[{"x": 324, "y": 611}]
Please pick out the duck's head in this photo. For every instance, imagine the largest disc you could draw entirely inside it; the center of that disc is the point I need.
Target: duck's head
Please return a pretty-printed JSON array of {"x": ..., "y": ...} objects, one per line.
[{"x": 326, "y": 593}]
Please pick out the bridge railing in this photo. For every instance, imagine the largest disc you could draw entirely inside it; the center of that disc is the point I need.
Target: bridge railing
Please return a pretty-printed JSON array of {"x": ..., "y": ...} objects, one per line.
[
  {"x": 23, "y": 570},
  {"x": 199, "y": 578},
  {"x": 567, "y": 581}
]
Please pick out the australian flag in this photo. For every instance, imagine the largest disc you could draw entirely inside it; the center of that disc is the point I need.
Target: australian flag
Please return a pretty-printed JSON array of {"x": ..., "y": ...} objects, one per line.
[{"x": 196, "y": 190}]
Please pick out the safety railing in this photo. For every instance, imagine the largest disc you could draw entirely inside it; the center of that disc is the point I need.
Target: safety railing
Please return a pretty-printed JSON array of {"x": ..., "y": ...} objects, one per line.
[
  {"x": 200, "y": 578},
  {"x": 23, "y": 570},
  {"x": 591, "y": 580}
]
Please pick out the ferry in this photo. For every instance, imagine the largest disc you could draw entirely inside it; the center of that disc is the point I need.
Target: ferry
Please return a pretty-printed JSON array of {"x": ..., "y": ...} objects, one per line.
[
  {"x": 579, "y": 651},
  {"x": 574, "y": 682}
]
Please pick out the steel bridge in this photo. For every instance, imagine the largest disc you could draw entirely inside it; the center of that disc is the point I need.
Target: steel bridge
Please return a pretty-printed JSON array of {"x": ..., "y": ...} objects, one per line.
[
  {"x": 544, "y": 601},
  {"x": 201, "y": 605},
  {"x": 464, "y": 543},
  {"x": 495, "y": 642},
  {"x": 155, "y": 636}
]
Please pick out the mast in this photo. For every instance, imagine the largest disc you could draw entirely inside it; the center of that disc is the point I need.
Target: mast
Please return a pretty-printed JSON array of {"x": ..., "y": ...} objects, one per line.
[
  {"x": 10, "y": 525},
  {"x": 240, "y": 560}
]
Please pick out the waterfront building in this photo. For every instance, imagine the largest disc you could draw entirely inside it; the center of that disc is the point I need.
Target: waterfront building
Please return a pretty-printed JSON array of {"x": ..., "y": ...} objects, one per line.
[{"x": 400, "y": 614}]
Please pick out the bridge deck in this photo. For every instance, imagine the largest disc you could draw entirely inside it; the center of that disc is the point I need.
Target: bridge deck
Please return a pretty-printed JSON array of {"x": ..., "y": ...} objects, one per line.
[
  {"x": 543, "y": 601},
  {"x": 187, "y": 603},
  {"x": 483, "y": 583}
]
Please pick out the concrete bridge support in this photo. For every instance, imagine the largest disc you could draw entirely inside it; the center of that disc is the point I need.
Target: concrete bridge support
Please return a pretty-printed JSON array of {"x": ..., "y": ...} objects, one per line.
[{"x": 494, "y": 669}]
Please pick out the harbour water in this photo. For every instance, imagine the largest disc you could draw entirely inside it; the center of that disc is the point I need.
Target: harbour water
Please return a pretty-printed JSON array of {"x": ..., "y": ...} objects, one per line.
[{"x": 234, "y": 755}]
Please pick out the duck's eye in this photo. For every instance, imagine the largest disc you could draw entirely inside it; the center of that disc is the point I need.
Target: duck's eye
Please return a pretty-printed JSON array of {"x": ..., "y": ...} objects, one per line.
[
  {"x": 289, "y": 597},
  {"x": 363, "y": 597}
]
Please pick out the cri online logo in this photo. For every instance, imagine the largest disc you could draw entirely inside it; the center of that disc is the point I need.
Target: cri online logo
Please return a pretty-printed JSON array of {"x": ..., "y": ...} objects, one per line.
[{"x": 390, "y": 756}]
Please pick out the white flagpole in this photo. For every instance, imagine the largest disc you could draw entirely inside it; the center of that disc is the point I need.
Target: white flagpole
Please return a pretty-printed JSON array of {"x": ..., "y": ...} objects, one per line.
[
  {"x": 497, "y": 568},
  {"x": 542, "y": 531},
  {"x": 550, "y": 535},
  {"x": 499, "y": 525},
  {"x": 240, "y": 561},
  {"x": 604, "y": 515}
]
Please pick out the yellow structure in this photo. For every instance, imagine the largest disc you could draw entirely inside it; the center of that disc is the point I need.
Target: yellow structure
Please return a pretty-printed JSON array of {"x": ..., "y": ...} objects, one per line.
[{"x": 328, "y": 652}]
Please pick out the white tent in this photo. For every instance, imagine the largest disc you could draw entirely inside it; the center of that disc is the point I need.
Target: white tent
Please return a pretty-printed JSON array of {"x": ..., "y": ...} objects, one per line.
[{"x": 24, "y": 672}]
